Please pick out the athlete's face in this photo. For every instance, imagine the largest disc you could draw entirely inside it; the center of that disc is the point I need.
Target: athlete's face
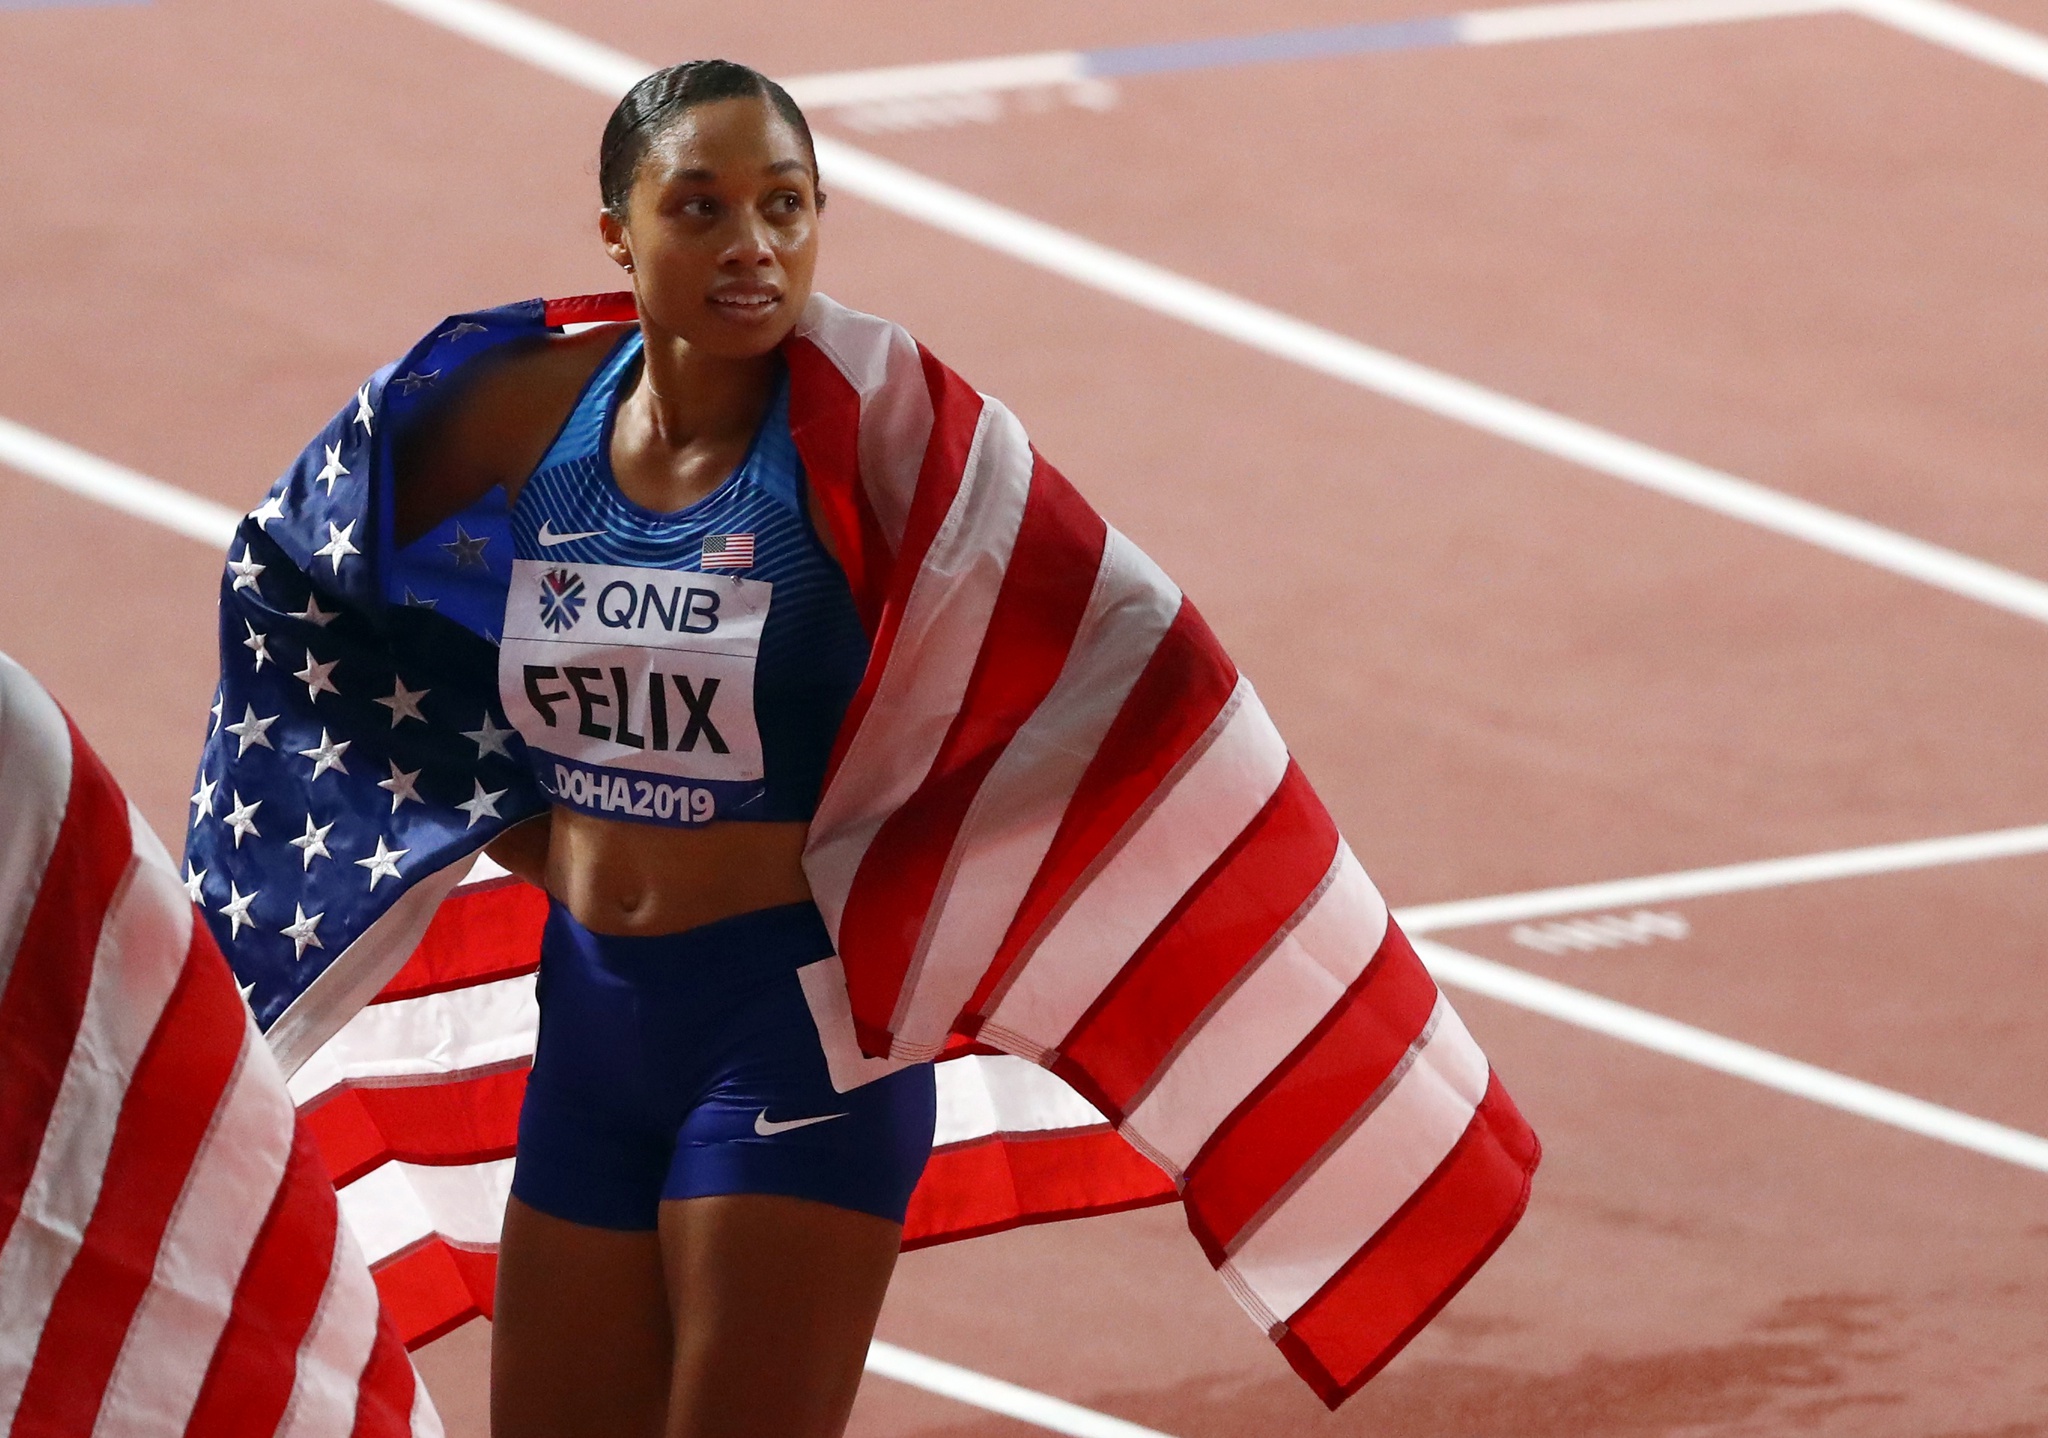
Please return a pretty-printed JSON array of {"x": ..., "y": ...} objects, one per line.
[{"x": 721, "y": 228}]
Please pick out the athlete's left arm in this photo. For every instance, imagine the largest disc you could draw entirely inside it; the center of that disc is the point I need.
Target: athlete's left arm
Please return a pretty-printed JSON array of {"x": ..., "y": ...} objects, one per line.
[{"x": 523, "y": 849}]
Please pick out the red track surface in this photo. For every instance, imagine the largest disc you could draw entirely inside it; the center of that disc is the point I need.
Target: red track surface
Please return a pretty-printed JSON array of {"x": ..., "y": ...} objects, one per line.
[{"x": 1811, "y": 252}]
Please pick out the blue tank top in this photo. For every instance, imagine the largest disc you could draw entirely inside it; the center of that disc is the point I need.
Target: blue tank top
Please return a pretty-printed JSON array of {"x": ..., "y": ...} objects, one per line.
[{"x": 675, "y": 668}]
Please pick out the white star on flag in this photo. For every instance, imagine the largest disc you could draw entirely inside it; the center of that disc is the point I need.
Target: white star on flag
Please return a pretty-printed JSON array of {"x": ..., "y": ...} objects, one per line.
[
  {"x": 481, "y": 805},
  {"x": 384, "y": 863},
  {"x": 313, "y": 843},
  {"x": 363, "y": 415},
  {"x": 457, "y": 330},
  {"x": 249, "y": 730},
  {"x": 246, "y": 570},
  {"x": 202, "y": 800},
  {"x": 258, "y": 643},
  {"x": 300, "y": 931},
  {"x": 314, "y": 676},
  {"x": 327, "y": 754},
  {"x": 404, "y": 703},
  {"x": 218, "y": 700},
  {"x": 413, "y": 381},
  {"x": 195, "y": 880},
  {"x": 338, "y": 546},
  {"x": 314, "y": 614},
  {"x": 334, "y": 469},
  {"x": 236, "y": 909},
  {"x": 271, "y": 508},
  {"x": 401, "y": 786},
  {"x": 466, "y": 549},
  {"x": 490, "y": 739},
  {"x": 242, "y": 818}
]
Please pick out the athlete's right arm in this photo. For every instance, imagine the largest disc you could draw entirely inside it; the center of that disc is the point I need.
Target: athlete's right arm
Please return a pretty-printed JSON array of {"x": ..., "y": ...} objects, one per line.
[{"x": 491, "y": 427}]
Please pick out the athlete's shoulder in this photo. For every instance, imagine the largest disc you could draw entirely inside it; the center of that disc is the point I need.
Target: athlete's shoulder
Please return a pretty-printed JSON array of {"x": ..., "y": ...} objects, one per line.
[{"x": 495, "y": 418}]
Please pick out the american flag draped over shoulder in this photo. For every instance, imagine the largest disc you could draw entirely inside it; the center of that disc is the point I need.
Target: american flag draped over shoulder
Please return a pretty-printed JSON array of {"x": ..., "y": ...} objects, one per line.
[
  {"x": 171, "y": 1255},
  {"x": 1061, "y": 849}
]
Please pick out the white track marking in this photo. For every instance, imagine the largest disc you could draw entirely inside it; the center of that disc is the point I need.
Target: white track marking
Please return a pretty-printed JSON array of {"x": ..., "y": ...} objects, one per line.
[
  {"x": 1730, "y": 1056},
  {"x": 1258, "y": 327},
  {"x": 921, "y": 82},
  {"x": 1726, "y": 879},
  {"x": 105, "y": 482},
  {"x": 964, "y": 1385},
  {"x": 1968, "y": 32},
  {"x": 540, "y": 43},
  {"x": 1613, "y": 17}
]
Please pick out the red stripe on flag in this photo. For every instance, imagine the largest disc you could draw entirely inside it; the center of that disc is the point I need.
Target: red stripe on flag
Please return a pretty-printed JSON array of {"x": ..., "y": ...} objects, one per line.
[
  {"x": 824, "y": 421},
  {"x": 384, "y": 1394},
  {"x": 45, "y": 995},
  {"x": 168, "y": 1108},
  {"x": 1172, "y": 705},
  {"x": 1269, "y": 1140},
  {"x": 617, "y": 307},
  {"x": 1005, "y": 1181},
  {"x": 255, "y": 1363},
  {"x": 435, "y": 1287},
  {"x": 473, "y": 1118},
  {"x": 956, "y": 413},
  {"x": 1415, "y": 1265},
  {"x": 1031, "y": 628},
  {"x": 481, "y": 932},
  {"x": 1226, "y": 918}
]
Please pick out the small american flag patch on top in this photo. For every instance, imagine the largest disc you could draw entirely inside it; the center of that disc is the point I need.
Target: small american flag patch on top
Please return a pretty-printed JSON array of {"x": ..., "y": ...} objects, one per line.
[{"x": 728, "y": 551}]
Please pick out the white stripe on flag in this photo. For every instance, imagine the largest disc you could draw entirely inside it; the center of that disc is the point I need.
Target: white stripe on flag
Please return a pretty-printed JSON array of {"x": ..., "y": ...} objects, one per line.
[
  {"x": 1262, "y": 1020},
  {"x": 1374, "y": 1171},
  {"x": 1201, "y": 813},
  {"x": 881, "y": 361},
  {"x": 1024, "y": 796},
  {"x": 336, "y": 1349},
  {"x": 982, "y": 1095},
  {"x": 945, "y": 619},
  {"x": 442, "y": 1035},
  {"x": 396, "y": 1205},
  {"x": 136, "y": 964},
  {"x": 227, "y": 1194},
  {"x": 35, "y": 787}
]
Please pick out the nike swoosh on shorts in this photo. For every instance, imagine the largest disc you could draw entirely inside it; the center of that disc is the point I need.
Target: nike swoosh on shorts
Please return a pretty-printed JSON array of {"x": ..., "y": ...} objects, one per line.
[
  {"x": 548, "y": 536},
  {"x": 767, "y": 1128}
]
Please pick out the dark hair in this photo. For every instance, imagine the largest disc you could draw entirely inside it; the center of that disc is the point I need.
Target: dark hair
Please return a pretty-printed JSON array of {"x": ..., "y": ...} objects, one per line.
[{"x": 653, "y": 104}]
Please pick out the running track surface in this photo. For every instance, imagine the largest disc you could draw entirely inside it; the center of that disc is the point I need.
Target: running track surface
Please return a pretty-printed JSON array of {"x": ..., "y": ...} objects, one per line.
[{"x": 1810, "y": 251}]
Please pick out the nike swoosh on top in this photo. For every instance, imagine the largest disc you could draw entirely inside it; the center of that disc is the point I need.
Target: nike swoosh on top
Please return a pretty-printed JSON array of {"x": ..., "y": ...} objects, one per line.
[
  {"x": 548, "y": 536},
  {"x": 768, "y": 1129}
]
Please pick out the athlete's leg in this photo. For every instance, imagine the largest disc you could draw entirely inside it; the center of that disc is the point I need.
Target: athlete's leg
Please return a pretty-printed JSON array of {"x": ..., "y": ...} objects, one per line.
[
  {"x": 580, "y": 1343},
  {"x": 775, "y": 1299}
]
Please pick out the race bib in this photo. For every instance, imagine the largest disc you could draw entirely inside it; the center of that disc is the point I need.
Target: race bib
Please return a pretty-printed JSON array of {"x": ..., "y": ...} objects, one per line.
[{"x": 635, "y": 687}]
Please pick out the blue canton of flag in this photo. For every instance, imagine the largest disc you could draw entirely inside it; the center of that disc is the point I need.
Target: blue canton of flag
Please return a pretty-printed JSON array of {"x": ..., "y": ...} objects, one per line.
[{"x": 356, "y": 746}]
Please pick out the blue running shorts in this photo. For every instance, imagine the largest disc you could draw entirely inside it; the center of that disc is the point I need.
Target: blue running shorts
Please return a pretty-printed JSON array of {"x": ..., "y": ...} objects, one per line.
[{"x": 685, "y": 1065}]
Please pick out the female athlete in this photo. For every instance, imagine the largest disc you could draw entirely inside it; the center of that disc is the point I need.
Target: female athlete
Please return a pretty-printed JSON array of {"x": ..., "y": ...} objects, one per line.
[{"x": 701, "y": 1228}]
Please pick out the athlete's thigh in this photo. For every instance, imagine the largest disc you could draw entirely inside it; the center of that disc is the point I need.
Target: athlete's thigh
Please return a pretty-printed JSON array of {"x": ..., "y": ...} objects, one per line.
[
  {"x": 581, "y": 1342},
  {"x": 775, "y": 1299}
]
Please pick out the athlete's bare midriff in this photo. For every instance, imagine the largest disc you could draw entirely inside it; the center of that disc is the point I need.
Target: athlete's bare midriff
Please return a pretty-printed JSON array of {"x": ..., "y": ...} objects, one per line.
[{"x": 614, "y": 876}]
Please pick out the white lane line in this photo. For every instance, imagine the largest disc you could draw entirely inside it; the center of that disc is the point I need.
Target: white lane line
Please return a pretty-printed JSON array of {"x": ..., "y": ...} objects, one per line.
[
  {"x": 1258, "y": 327},
  {"x": 1614, "y": 17},
  {"x": 1027, "y": 1405},
  {"x": 1149, "y": 286},
  {"x": 1631, "y": 1025},
  {"x": 1968, "y": 32},
  {"x": 105, "y": 482},
  {"x": 923, "y": 82},
  {"x": 1725, "y": 879}
]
